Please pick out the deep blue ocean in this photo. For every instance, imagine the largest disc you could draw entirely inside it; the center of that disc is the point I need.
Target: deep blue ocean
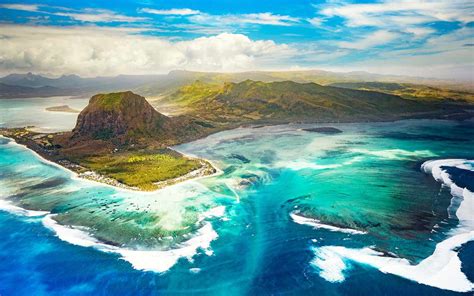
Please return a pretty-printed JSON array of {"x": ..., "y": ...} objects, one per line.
[{"x": 381, "y": 209}]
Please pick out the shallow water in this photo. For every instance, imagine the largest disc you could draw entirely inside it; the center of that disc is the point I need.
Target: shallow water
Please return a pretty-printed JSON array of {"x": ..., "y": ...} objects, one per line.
[
  {"x": 361, "y": 192},
  {"x": 32, "y": 112}
]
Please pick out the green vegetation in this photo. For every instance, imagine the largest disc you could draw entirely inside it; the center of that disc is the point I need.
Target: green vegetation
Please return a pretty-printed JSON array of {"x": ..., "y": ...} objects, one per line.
[
  {"x": 287, "y": 101},
  {"x": 176, "y": 79},
  {"x": 141, "y": 168},
  {"x": 411, "y": 91},
  {"x": 109, "y": 101},
  {"x": 121, "y": 136},
  {"x": 195, "y": 92}
]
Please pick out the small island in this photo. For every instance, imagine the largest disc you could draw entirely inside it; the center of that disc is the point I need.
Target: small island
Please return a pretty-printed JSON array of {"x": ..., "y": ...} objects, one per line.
[{"x": 62, "y": 108}]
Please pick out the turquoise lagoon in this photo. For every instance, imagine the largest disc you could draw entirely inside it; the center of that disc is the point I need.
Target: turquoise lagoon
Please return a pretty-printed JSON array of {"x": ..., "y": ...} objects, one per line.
[{"x": 383, "y": 208}]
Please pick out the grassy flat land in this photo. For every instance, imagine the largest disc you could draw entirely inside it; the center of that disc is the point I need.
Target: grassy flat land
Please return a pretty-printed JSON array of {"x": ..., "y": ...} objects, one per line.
[
  {"x": 141, "y": 168},
  {"x": 137, "y": 168}
]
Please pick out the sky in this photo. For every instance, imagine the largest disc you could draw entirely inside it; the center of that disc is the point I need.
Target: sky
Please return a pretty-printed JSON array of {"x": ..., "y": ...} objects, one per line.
[{"x": 106, "y": 38}]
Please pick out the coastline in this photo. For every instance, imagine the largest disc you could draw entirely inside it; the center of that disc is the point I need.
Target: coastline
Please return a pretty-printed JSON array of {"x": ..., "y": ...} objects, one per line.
[
  {"x": 97, "y": 178},
  {"x": 121, "y": 187},
  {"x": 152, "y": 260},
  {"x": 343, "y": 254}
]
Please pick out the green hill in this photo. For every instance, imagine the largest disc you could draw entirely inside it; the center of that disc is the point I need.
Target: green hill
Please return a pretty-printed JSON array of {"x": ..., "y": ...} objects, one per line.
[
  {"x": 411, "y": 91},
  {"x": 125, "y": 118},
  {"x": 171, "y": 82},
  {"x": 122, "y": 137},
  {"x": 278, "y": 102}
]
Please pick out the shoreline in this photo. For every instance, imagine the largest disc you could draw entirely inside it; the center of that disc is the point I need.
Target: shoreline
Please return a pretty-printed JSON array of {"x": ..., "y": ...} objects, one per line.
[
  {"x": 77, "y": 176},
  {"x": 97, "y": 178}
]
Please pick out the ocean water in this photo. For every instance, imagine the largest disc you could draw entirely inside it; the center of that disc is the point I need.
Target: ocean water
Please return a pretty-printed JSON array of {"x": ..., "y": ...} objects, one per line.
[
  {"x": 382, "y": 208},
  {"x": 32, "y": 112}
]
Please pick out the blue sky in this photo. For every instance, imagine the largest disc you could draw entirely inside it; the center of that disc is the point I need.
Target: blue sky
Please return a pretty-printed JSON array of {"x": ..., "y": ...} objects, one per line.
[{"x": 90, "y": 38}]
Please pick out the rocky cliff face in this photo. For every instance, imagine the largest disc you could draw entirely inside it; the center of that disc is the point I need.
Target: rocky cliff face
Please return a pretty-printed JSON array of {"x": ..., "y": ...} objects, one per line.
[{"x": 123, "y": 117}]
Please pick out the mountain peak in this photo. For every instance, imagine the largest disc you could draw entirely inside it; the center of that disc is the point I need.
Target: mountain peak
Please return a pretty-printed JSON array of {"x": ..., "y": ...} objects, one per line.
[{"x": 122, "y": 116}]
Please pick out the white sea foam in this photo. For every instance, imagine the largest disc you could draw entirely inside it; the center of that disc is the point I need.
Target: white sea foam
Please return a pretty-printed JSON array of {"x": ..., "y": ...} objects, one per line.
[
  {"x": 317, "y": 224},
  {"x": 442, "y": 269},
  {"x": 304, "y": 164},
  {"x": 330, "y": 264},
  {"x": 147, "y": 260},
  {"x": 195, "y": 270},
  {"x": 216, "y": 212},
  {"x": 395, "y": 153},
  {"x": 9, "y": 207}
]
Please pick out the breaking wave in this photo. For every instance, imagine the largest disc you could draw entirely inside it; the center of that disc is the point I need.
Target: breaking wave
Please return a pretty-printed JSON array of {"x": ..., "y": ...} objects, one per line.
[
  {"x": 442, "y": 269},
  {"x": 317, "y": 224}
]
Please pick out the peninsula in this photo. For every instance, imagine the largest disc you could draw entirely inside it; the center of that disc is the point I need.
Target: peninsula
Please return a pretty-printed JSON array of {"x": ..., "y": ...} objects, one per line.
[{"x": 120, "y": 139}]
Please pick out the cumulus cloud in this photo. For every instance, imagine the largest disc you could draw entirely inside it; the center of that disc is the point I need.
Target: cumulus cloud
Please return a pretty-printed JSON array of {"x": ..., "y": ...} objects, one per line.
[{"x": 93, "y": 51}]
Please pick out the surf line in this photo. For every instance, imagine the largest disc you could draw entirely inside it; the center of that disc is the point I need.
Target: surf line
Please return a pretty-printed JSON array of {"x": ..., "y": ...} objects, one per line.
[{"x": 442, "y": 269}]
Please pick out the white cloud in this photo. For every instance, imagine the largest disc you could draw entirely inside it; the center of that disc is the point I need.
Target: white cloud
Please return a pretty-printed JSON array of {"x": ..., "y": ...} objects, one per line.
[
  {"x": 22, "y": 7},
  {"x": 441, "y": 56},
  {"x": 316, "y": 21},
  {"x": 175, "y": 11},
  {"x": 93, "y": 51},
  {"x": 99, "y": 15},
  {"x": 84, "y": 15},
  {"x": 374, "y": 39},
  {"x": 265, "y": 18},
  {"x": 420, "y": 31},
  {"x": 397, "y": 13}
]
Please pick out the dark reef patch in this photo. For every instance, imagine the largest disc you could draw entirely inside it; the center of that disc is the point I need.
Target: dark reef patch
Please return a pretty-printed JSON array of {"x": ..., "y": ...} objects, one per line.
[
  {"x": 48, "y": 184},
  {"x": 242, "y": 158},
  {"x": 327, "y": 130}
]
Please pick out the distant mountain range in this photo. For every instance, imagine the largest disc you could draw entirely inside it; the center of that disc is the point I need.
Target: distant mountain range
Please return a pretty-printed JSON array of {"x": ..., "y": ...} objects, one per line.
[
  {"x": 31, "y": 85},
  {"x": 14, "y": 91},
  {"x": 176, "y": 79},
  {"x": 156, "y": 86}
]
